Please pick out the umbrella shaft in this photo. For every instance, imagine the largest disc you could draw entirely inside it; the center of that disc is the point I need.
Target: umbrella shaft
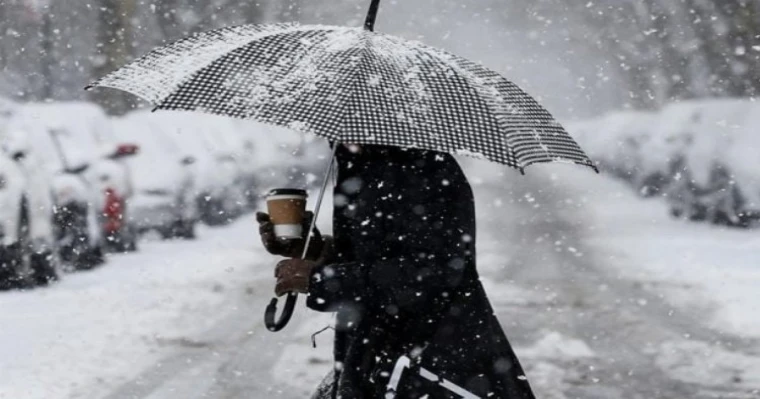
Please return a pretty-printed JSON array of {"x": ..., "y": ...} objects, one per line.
[
  {"x": 369, "y": 24},
  {"x": 319, "y": 200}
]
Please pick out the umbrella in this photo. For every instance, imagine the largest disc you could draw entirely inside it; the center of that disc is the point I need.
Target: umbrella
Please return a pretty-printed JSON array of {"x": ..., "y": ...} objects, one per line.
[{"x": 351, "y": 85}]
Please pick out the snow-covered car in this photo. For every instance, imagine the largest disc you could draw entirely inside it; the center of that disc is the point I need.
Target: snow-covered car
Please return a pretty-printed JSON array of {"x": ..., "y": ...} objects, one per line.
[
  {"x": 616, "y": 141},
  {"x": 27, "y": 245},
  {"x": 283, "y": 157},
  {"x": 217, "y": 173},
  {"x": 86, "y": 128},
  {"x": 164, "y": 192},
  {"x": 710, "y": 166},
  {"x": 219, "y": 138},
  {"x": 743, "y": 159},
  {"x": 226, "y": 134},
  {"x": 108, "y": 174},
  {"x": 668, "y": 140},
  {"x": 77, "y": 201},
  {"x": 694, "y": 138}
]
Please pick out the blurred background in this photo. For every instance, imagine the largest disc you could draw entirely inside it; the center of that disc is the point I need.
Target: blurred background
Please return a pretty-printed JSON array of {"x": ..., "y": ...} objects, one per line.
[
  {"x": 640, "y": 282},
  {"x": 597, "y": 55}
]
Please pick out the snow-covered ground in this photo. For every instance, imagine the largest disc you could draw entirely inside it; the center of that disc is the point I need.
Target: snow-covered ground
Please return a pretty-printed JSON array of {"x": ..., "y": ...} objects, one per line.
[
  {"x": 667, "y": 308},
  {"x": 95, "y": 330},
  {"x": 696, "y": 265},
  {"x": 601, "y": 294}
]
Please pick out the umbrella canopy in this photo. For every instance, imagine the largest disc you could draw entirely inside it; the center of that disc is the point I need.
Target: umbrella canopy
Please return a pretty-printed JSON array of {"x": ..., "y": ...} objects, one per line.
[{"x": 351, "y": 85}]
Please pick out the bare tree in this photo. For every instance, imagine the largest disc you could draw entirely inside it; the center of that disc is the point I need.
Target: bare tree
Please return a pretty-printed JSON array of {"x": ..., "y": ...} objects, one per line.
[
  {"x": 114, "y": 50},
  {"x": 672, "y": 49},
  {"x": 168, "y": 21},
  {"x": 665, "y": 49},
  {"x": 729, "y": 32}
]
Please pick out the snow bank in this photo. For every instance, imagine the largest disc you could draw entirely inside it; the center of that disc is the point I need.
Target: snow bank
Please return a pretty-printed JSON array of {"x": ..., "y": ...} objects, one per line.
[{"x": 702, "y": 156}]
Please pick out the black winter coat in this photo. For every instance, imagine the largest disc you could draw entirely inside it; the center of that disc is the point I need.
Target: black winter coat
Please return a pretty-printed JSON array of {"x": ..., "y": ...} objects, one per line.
[{"x": 403, "y": 283}]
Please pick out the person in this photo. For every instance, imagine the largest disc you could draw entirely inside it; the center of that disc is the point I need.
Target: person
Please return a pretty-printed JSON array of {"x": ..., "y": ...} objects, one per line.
[{"x": 399, "y": 271}]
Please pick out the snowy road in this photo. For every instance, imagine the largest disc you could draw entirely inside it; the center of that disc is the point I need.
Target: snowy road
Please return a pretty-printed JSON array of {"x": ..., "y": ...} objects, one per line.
[
  {"x": 601, "y": 335},
  {"x": 581, "y": 327}
]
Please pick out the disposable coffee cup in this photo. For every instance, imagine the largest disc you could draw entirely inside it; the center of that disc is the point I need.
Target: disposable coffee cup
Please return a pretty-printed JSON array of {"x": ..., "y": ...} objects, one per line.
[{"x": 287, "y": 209}]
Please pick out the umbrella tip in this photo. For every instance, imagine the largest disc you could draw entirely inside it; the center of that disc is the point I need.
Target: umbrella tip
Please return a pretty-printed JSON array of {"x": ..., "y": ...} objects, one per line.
[
  {"x": 596, "y": 169},
  {"x": 369, "y": 23},
  {"x": 522, "y": 170},
  {"x": 88, "y": 87}
]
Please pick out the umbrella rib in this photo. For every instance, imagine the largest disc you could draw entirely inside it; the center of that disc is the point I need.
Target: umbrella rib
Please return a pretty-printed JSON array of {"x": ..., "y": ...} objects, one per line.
[
  {"x": 454, "y": 62},
  {"x": 354, "y": 80},
  {"x": 512, "y": 143}
]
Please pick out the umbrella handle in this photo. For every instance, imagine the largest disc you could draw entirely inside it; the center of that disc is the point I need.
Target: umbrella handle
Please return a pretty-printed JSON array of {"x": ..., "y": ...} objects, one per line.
[{"x": 287, "y": 312}]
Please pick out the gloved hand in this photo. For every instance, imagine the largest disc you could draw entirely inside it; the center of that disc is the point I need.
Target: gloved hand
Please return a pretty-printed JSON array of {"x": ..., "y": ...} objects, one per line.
[
  {"x": 293, "y": 276},
  {"x": 290, "y": 248}
]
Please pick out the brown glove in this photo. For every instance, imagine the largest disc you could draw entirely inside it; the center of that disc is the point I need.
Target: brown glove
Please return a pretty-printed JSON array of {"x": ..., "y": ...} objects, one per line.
[
  {"x": 290, "y": 248},
  {"x": 293, "y": 276}
]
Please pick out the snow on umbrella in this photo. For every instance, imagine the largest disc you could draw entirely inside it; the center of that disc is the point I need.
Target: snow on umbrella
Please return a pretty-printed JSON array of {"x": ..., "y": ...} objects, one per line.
[{"x": 350, "y": 85}]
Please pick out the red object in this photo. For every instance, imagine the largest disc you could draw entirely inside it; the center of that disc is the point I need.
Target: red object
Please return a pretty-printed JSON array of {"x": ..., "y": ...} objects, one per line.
[
  {"x": 113, "y": 212},
  {"x": 123, "y": 150}
]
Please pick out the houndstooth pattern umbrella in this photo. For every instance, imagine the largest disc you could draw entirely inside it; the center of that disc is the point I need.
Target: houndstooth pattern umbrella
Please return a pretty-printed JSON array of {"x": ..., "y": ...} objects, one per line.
[{"x": 351, "y": 85}]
